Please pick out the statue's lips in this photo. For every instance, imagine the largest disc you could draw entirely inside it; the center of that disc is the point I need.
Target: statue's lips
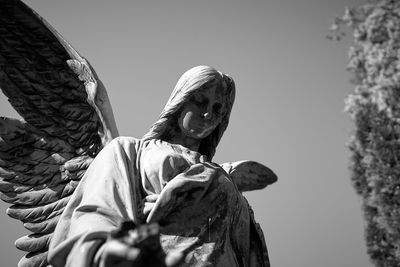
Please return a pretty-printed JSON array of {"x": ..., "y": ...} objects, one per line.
[{"x": 202, "y": 126}]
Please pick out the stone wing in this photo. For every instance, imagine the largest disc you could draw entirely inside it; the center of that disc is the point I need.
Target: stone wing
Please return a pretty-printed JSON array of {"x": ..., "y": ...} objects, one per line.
[
  {"x": 249, "y": 175},
  {"x": 38, "y": 173},
  {"x": 43, "y": 156}
]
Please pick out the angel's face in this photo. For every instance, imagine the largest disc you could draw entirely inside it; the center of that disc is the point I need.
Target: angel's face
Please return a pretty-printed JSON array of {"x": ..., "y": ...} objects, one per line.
[{"x": 202, "y": 113}]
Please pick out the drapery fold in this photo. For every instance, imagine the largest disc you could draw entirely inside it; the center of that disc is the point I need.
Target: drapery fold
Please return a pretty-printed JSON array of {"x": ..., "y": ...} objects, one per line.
[{"x": 199, "y": 209}]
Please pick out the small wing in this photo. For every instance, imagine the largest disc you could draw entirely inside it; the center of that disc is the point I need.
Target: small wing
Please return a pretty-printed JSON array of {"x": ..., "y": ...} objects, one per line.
[
  {"x": 249, "y": 175},
  {"x": 67, "y": 121}
]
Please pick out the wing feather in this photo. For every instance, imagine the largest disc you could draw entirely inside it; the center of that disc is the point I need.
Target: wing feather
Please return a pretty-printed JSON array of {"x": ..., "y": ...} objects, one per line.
[
  {"x": 34, "y": 259},
  {"x": 39, "y": 195},
  {"x": 46, "y": 226},
  {"x": 37, "y": 213},
  {"x": 33, "y": 242}
]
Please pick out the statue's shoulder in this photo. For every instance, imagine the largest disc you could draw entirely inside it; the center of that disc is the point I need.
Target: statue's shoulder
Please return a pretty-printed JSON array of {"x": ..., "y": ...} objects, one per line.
[
  {"x": 127, "y": 144},
  {"x": 122, "y": 140}
]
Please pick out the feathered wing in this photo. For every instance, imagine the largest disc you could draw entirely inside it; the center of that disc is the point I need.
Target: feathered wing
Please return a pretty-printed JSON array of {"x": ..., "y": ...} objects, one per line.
[
  {"x": 67, "y": 121},
  {"x": 249, "y": 175}
]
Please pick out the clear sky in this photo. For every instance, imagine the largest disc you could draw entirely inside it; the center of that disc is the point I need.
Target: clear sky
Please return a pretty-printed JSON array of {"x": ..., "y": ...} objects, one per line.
[{"x": 288, "y": 114}]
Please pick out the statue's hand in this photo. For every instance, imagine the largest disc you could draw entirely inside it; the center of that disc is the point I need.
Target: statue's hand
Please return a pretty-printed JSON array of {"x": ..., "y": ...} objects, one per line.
[
  {"x": 138, "y": 246},
  {"x": 146, "y": 205},
  {"x": 150, "y": 200}
]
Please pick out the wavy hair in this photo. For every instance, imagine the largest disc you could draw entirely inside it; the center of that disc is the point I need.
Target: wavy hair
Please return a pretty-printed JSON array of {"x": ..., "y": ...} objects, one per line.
[{"x": 195, "y": 79}]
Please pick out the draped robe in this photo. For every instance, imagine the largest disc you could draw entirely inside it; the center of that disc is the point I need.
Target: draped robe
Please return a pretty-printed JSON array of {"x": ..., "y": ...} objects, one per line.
[{"x": 199, "y": 209}]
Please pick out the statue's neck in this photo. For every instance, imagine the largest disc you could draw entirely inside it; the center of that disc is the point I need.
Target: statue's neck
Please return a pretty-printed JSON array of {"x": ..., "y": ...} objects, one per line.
[{"x": 190, "y": 143}]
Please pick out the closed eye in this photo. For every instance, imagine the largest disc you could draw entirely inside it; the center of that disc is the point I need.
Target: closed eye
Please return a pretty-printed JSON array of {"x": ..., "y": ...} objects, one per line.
[
  {"x": 217, "y": 107},
  {"x": 200, "y": 100}
]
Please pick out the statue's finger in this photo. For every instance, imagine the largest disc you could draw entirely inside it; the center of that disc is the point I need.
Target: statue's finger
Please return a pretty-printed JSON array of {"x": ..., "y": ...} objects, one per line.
[
  {"x": 117, "y": 250},
  {"x": 132, "y": 254},
  {"x": 152, "y": 198},
  {"x": 148, "y": 206},
  {"x": 173, "y": 259}
]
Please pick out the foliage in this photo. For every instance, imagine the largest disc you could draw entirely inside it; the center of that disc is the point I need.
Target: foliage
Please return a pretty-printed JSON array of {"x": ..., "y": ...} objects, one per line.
[{"x": 374, "y": 106}]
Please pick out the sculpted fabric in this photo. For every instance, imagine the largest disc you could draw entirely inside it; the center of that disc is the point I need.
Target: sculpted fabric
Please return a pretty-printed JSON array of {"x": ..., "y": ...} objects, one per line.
[{"x": 198, "y": 207}]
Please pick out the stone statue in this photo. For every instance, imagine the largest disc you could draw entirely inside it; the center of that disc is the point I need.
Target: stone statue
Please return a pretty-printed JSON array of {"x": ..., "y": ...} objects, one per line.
[{"x": 92, "y": 198}]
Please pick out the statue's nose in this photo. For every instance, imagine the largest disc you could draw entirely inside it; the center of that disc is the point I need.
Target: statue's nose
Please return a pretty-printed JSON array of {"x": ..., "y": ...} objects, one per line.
[
  {"x": 207, "y": 115},
  {"x": 208, "y": 112}
]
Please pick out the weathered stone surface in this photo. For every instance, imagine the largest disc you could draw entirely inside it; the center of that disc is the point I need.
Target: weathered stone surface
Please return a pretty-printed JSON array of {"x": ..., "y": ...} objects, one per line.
[{"x": 167, "y": 178}]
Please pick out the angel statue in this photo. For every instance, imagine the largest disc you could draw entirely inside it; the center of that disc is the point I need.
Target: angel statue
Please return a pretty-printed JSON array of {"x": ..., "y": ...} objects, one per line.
[{"x": 92, "y": 198}]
